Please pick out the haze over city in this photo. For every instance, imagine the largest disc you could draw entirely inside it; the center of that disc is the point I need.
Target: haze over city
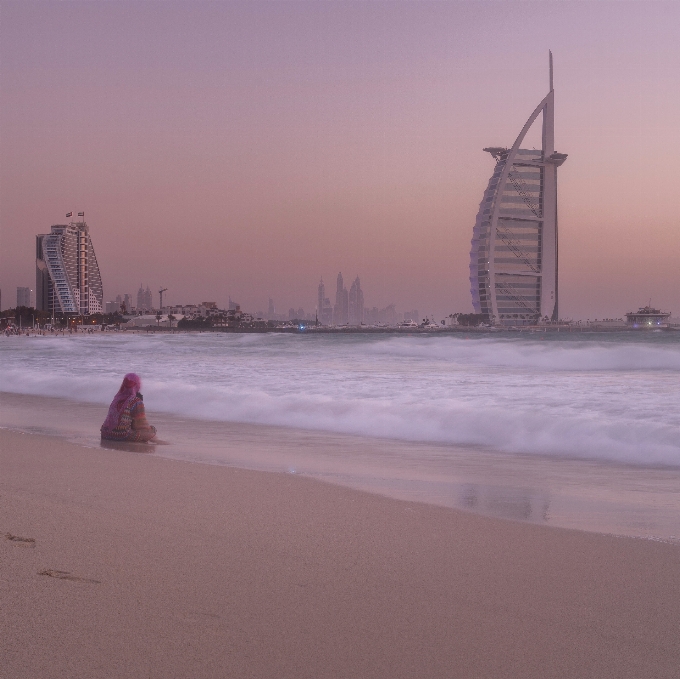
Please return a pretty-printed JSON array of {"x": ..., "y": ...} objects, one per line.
[{"x": 249, "y": 149}]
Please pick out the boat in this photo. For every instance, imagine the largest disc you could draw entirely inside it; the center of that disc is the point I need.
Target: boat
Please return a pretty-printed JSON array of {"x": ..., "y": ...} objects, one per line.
[{"x": 647, "y": 317}]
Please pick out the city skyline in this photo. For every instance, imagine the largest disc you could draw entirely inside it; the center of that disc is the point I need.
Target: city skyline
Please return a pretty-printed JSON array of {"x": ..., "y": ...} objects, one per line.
[
  {"x": 350, "y": 308},
  {"x": 258, "y": 144}
]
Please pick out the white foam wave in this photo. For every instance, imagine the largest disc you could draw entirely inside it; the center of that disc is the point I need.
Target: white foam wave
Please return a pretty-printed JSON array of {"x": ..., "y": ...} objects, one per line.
[{"x": 615, "y": 434}]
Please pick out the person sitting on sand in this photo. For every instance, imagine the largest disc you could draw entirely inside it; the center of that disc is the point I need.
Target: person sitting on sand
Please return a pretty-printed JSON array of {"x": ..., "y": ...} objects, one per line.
[{"x": 126, "y": 420}]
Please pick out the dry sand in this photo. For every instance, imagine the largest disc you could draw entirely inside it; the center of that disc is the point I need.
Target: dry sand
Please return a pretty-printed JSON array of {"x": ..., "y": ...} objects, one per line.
[{"x": 141, "y": 566}]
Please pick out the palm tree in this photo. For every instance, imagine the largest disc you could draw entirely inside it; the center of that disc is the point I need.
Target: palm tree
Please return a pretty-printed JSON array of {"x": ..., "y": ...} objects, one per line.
[
  {"x": 159, "y": 315},
  {"x": 171, "y": 318}
]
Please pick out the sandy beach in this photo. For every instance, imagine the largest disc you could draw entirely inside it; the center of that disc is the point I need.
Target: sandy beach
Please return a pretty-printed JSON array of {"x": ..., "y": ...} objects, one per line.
[{"x": 119, "y": 564}]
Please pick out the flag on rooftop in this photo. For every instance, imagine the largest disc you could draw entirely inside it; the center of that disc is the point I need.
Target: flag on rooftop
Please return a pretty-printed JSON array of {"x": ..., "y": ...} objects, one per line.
[
  {"x": 69, "y": 214},
  {"x": 81, "y": 214}
]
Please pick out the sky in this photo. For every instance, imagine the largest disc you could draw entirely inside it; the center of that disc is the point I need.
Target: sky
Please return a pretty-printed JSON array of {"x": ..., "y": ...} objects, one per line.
[{"x": 247, "y": 149}]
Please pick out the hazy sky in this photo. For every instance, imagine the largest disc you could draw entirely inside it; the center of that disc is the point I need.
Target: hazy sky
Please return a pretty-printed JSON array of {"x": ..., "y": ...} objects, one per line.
[{"x": 249, "y": 148}]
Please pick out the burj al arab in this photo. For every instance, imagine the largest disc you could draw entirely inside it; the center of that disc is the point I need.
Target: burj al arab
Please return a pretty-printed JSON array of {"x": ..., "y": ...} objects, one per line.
[{"x": 513, "y": 260}]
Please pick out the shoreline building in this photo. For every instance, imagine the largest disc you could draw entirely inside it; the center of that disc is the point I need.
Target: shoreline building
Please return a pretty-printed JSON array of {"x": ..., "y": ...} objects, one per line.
[
  {"x": 68, "y": 280},
  {"x": 25, "y": 297},
  {"x": 513, "y": 258}
]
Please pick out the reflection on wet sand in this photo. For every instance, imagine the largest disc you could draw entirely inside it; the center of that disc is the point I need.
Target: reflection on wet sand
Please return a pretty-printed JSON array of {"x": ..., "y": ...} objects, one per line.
[{"x": 505, "y": 502}]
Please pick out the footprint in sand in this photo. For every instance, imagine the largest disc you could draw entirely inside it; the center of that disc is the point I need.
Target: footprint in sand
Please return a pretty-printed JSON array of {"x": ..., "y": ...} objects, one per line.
[
  {"x": 18, "y": 540},
  {"x": 65, "y": 575}
]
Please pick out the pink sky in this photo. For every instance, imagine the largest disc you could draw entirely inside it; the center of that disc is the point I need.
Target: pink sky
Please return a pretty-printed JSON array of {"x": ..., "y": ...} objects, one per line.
[{"x": 247, "y": 149}]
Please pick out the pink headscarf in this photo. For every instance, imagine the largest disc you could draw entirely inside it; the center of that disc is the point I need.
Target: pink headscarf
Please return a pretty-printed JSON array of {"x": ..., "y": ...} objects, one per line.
[{"x": 128, "y": 390}]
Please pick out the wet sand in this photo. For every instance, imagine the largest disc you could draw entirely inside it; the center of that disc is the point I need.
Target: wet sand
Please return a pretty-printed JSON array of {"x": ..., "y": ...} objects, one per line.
[
  {"x": 601, "y": 497},
  {"x": 122, "y": 564}
]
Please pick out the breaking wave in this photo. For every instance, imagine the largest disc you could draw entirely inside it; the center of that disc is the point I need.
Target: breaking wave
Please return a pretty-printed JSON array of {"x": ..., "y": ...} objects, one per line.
[{"x": 614, "y": 400}]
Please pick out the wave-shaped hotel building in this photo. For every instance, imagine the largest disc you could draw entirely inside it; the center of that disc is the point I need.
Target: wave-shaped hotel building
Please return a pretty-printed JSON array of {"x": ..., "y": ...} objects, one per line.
[
  {"x": 67, "y": 274},
  {"x": 513, "y": 260}
]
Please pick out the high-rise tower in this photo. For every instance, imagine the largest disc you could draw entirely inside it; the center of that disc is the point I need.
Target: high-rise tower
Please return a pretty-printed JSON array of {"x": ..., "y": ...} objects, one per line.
[
  {"x": 513, "y": 260},
  {"x": 324, "y": 308},
  {"x": 341, "y": 309},
  {"x": 67, "y": 274},
  {"x": 24, "y": 297},
  {"x": 356, "y": 303},
  {"x": 321, "y": 294},
  {"x": 144, "y": 299}
]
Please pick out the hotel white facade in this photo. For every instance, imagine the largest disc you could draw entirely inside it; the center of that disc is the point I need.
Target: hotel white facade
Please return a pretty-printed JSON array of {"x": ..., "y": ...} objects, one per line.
[
  {"x": 67, "y": 274},
  {"x": 513, "y": 259}
]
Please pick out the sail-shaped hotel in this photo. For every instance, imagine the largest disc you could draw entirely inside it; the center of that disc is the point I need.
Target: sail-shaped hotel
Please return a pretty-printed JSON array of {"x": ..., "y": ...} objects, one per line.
[{"x": 513, "y": 261}]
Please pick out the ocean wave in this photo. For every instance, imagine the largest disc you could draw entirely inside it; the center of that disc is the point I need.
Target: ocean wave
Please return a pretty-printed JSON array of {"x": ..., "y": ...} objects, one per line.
[
  {"x": 546, "y": 354},
  {"x": 553, "y": 428}
]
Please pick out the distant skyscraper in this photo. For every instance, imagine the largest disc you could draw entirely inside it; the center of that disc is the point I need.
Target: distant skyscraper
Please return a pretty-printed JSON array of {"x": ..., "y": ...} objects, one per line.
[
  {"x": 356, "y": 303},
  {"x": 67, "y": 274},
  {"x": 386, "y": 316},
  {"x": 341, "y": 309},
  {"x": 127, "y": 303},
  {"x": 24, "y": 297},
  {"x": 144, "y": 299},
  {"x": 296, "y": 314},
  {"x": 321, "y": 293},
  {"x": 271, "y": 313},
  {"x": 513, "y": 260},
  {"x": 389, "y": 315},
  {"x": 324, "y": 307}
]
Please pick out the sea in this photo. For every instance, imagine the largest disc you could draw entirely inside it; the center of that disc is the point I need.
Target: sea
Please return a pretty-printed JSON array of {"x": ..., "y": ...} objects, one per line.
[{"x": 577, "y": 430}]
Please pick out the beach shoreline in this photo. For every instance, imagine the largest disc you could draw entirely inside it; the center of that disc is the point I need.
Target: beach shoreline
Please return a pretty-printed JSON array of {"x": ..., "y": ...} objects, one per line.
[
  {"x": 582, "y": 494},
  {"x": 122, "y": 564}
]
